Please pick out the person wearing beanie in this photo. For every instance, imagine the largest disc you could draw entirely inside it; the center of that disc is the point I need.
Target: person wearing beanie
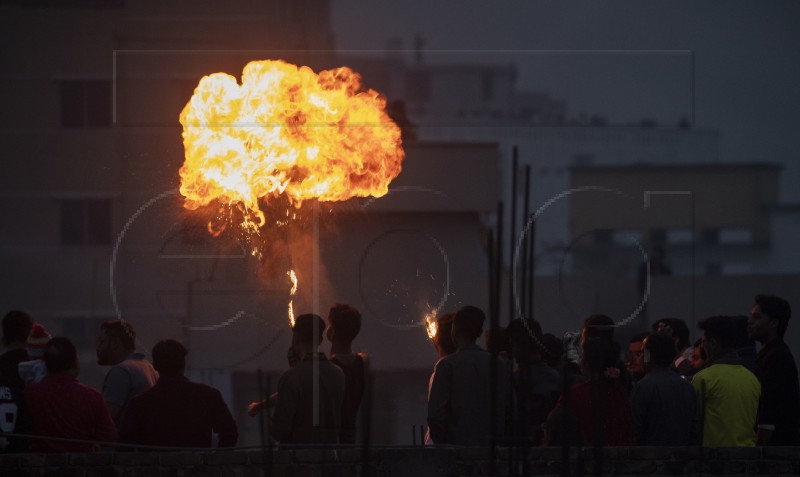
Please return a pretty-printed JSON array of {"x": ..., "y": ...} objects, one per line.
[{"x": 34, "y": 370}]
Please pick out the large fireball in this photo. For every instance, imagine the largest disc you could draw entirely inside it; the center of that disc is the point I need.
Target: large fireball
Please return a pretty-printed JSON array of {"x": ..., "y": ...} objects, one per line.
[{"x": 286, "y": 130}]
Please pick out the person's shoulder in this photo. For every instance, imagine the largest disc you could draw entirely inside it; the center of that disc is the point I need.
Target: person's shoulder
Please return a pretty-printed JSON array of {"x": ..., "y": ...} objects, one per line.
[
  {"x": 745, "y": 375},
  {"x": 738, "y": 370},
  {"x": 134, "y": 359},
  {"x": 153, "y": 394},
  {"x": 783, "y": 353},
  {"x": 123, "y": 367},
  {"x": 581, "y": 392},
  {"x": 288, "y": 373},
  {"x": 471, "y": 354},
  {"x": 678, "y": 381},
  {"x": 138, "y": 362},
  {"x": 119, "y": 373},
  {"x": 291, "y": 375},
  {"x": 669, "y": 374},
  {"x": 88, "y": 391},
  {"x": 581, "y": 387},
  {"x": 35, "y": 388},
  {"x": 705, "y": 373},
  {"x": 444, "y": 365},
  {"x": 140, "y": 404},
  {"x": 446, "y": 361},
  {"x": 648, "y": 381},
  {"x": 331, "y": 367},
  {"x": 200, "y": 389}
]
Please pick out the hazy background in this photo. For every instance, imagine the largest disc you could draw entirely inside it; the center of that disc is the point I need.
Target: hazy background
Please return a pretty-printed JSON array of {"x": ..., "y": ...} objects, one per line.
[{"x": 732, "y": 66}]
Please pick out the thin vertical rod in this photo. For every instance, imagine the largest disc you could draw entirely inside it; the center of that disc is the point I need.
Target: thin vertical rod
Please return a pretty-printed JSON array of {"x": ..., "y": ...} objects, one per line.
[
  {"x": 532, "y": 266},
  {"x": 526, "y": 311},
  {"x": 494, "y": 318},
  {"x": 366, "y": 425},
  {"x": 492, "y": 285},
  {"x": 512, "y": 230}
]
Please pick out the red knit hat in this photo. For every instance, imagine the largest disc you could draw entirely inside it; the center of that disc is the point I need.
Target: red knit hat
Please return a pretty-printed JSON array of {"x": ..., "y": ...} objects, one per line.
[{"x": 37, "y": 340}]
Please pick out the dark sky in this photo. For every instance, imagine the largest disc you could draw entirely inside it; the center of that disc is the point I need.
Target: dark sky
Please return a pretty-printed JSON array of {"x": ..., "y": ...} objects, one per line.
[{"x": 625, "y": 60}]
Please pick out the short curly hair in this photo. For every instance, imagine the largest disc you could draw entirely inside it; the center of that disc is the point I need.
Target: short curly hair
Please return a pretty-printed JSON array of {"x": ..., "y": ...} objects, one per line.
[{"x": 345, "y": 320}]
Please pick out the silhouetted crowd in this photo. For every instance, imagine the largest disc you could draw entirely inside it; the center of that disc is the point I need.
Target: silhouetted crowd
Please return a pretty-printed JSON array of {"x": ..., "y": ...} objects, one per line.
[
  {"x": 578, "y": 390},
  {"x": 44, "y": 408},
  {"x": 527, "y": 387}
]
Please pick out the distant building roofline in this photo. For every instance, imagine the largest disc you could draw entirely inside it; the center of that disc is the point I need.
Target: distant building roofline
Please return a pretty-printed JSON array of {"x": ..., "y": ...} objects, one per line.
[
  {"x": 674, "y": 167},
  {"x": 451, "y": 144}
]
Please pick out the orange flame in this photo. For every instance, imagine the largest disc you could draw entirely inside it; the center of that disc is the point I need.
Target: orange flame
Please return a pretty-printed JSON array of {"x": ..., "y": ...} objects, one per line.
[
  {"x": 431, "y": 326},
  {"x": 293, "y": 278},
  {"x": 286, "y": 130}
]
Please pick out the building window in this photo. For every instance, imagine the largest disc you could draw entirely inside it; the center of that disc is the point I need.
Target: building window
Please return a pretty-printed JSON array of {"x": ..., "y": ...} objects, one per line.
[
  {"x": 736, "y": 269},
  {"x": 85, "y": 104},
  {"x": 85, "y": 222},
  {"x": 711, "y": 236},
  {"x": 679, "y": 236},
  {"x": 735, "y": 236},
  {"x": 713, "y": 268},
  {"x": 626, "y": 237}
]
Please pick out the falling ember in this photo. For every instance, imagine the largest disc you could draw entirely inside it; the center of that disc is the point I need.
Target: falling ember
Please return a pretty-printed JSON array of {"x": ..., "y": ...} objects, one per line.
[
  {"x": 293, "y": 278},
  {"x": 285, "y": 130},
  {"x": 431, "y": 326}
]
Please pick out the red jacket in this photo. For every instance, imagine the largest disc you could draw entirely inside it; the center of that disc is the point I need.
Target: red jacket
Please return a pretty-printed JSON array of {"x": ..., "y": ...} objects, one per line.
[{"x": 60, "y": 406}]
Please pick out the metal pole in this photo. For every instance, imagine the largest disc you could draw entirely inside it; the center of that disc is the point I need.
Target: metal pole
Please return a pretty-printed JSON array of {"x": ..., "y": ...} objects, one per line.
[
  {"x": 366, "y": 426},
  {"x": 512, "y": 230},
  {"x": 532, "y": 265},
  {"x": 526, "y": 311},
  {"x": 492, "y": 284},
  {"x": 263, "y": 426},
  {"x": 494, "y": 318}
]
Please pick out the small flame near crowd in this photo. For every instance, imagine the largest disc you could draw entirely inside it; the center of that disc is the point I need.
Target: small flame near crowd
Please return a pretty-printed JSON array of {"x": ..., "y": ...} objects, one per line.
[
  {"x": 431, "y": 326},
  {"x": 293, "y": 278},
  {"x": 284, "y": 133}
]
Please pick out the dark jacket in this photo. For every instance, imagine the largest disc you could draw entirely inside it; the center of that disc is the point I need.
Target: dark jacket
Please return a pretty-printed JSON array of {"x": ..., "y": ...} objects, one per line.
[{"x": 780, "y": 393}]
